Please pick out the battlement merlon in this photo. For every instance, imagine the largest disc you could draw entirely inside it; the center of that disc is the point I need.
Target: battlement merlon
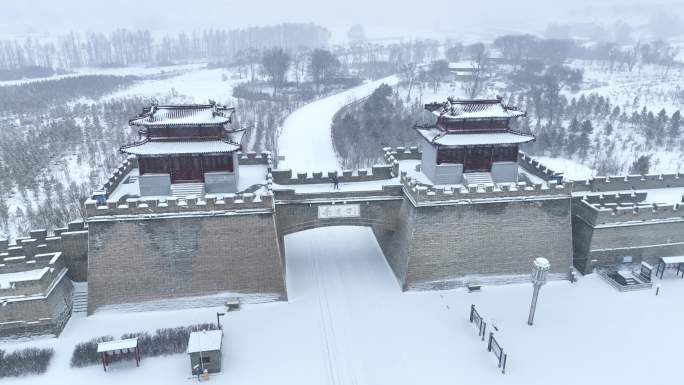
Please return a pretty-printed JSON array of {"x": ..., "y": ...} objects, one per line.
[
  {"x": 611, "y": 213},
  {"x": 534, "y": 167},
  {"x": 424, "y": 194},
  {"x": 252, "y": 158},
  {"x": 171, "y": 205},
  {"x": 25, "y": 277},
  {"x": 401, "y": 153},
  {"x": 630, "y": 182},
  {"x": 377, "y": 173}
]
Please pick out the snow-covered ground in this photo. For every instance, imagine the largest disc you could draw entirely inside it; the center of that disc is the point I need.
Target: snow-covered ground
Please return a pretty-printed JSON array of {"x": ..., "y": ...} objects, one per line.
[
  {"x": 119, "y": 71},
  {"x": 651, "y": 86},
  {"x": 306, "y": 139},
  {"x": 347, "y": 322},
  {"x": 198, "y": 84},
  {"x": 571, "y": 169}
]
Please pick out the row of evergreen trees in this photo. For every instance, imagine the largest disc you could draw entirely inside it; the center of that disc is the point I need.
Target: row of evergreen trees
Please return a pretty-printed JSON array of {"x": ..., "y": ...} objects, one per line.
[{"x": 362, "y": 129}]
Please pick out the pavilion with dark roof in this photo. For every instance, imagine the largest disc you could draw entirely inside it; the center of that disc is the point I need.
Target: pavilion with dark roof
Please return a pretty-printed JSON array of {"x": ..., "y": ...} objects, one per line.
[
  {"x": 471, "y": 142},
  {"x": 186, "y": 150}
]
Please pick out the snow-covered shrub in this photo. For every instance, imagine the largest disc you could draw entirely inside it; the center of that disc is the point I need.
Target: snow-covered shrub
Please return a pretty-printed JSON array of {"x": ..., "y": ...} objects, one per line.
[
  {"x": 85, "y": 353},
  {"x": 24, "y": 361},
  {"x": 163, "y": 342},
  {"x": 174, "y": 340}
]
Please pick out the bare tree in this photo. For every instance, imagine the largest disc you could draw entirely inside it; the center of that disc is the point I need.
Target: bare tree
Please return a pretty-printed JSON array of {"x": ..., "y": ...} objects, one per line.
[
  {"x": 477, "y": 81},
  {"x": 409, "y": 72},
  {"x": 274, "y": 64},
  {"x": 323, "y": 65},
  {"x": 631, "y": 56}
]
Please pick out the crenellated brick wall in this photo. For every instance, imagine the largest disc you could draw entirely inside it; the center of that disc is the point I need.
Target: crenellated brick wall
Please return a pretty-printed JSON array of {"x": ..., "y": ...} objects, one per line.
[
  {"x": 379, "y": 172},
  {"x": 70, "y": 241}
]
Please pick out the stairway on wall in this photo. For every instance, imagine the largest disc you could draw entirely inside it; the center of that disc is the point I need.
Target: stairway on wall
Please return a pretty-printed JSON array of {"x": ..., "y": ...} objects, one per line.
[
  {"x": 478, "y": 178},
  {"x": 80, "y": 298},
  {"x": 182, "y": 190}
]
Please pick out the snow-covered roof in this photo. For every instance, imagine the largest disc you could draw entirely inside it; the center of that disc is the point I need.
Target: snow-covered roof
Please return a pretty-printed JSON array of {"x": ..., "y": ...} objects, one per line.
[
  {"x": 206, "y": 340},
  {"x": 473, "y": 109},
  {"x": 110, "y": 346},
  {"x": 196, "y": 114},
  {"x": 464, "y": 65},
  {"x": 155, "y": 147},
  {"x": 7, "y": 279},
  {"x": 465, "y": 138}
]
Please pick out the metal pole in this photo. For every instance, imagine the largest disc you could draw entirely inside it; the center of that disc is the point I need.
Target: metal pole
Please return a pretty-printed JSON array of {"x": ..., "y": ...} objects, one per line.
[
  {"x": 533, "y": 306},
  {"x": 199, "y": 344}
]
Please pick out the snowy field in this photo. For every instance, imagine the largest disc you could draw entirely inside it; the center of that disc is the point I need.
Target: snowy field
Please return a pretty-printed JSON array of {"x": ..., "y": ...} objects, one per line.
[
  {"x": 347, "y": 322},
  {"x": 571, "y": 169},
  {"x": 118, "y": 71},
  {"x": 651, "y": 86},
  {"x": 197, "y": 85},
  {"x": 306, "y": 140}
]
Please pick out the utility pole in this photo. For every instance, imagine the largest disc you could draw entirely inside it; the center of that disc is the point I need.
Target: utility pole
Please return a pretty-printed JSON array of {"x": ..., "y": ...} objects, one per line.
[{"x": 540, "y": 267}]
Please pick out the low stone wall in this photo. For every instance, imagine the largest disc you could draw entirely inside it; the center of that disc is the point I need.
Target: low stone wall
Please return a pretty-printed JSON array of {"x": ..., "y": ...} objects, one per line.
[
  {"x": 117, "y": 176},
  {"x": 630, "y": 182},
  {"x": 535, "y": 168},
  {"x": 380, "y": 172},
  {"x": 606, "y": 213},
  {"x": 173, "y": 205},
  {"x": 36, "y": 306},
  {"x": 402, "y": 153},
  {"x": 420, "y": 193},
  {"x": 252, "y": 158},
  {"x": 292, "y": 195},
  {"x": 71, "y": 242}
]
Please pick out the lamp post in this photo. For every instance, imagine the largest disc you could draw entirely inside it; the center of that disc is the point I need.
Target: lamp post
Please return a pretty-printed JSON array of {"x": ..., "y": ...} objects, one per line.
[{"x": 540, "y": 267}]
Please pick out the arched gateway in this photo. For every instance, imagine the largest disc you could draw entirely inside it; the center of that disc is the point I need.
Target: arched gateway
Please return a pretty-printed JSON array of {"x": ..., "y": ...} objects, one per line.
[{"x": 189, "y": 215}]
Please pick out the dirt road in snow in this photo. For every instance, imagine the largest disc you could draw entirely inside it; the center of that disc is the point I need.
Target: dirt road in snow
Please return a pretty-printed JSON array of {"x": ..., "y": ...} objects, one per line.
[{"x": 306, "y": 140}]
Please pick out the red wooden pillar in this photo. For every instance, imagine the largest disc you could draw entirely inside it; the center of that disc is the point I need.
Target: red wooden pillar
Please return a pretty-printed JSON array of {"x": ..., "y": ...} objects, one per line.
[{"x": 104, "y": 360}]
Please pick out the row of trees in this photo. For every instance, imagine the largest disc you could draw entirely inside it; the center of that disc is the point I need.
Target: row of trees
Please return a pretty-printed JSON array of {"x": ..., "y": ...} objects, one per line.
[
  {"x": 279, "y": 66},
  {"x": 381, "y": 120},
  {"x": 123, "y": 47},
  {"x": 596, "y": 132},
  {"x": 51, "y": 158},
  {"x": 520, "y": 49}
]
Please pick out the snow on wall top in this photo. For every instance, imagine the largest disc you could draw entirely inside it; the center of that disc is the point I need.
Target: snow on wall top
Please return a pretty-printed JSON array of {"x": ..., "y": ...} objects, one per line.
[
  {"x": 194, "y": 114},
  {"x": 152, "y": 147},
  {"x": 7, "y": 279},
  {"x": 442, "y": 138},
  {"x": 473, "y": 109},
  {"x": 204, "y": 341}
]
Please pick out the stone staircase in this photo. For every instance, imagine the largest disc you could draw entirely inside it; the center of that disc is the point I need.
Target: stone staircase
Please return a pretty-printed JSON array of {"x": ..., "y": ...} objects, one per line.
[
  {"x": 478, "y": 178},
  {"x": 80, "y": 299},
  {"x": 182, "y": 190}
]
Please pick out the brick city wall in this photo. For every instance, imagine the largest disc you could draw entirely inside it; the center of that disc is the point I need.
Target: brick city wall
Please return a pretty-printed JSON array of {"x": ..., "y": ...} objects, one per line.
[
  {"x": 38, "y": 306},
  {"x": 608, "y": 227},
  {"x": 487, "y": 239},
  {"x": 71, "y": 241},
  {"x": 142, "y": 259}
]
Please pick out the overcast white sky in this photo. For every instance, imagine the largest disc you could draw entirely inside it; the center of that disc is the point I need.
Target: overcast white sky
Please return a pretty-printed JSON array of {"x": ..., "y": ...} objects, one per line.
[{"x": 382, "y": 18}]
